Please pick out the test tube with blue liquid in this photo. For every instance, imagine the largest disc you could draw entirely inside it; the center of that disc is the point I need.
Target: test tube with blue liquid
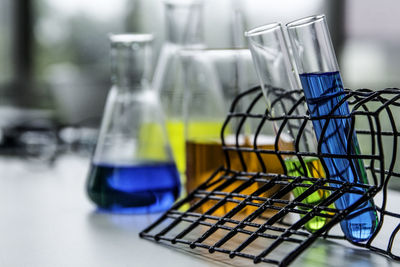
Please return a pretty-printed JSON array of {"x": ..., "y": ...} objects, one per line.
[{"x": 323, "y": 88}]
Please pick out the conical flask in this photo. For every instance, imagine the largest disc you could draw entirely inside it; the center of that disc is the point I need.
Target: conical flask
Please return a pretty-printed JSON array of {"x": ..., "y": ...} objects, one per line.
[
  {"x": 214, "y": 78},
  {"x": 132, "y": 169},
  {"x": 183, "y": 31}
]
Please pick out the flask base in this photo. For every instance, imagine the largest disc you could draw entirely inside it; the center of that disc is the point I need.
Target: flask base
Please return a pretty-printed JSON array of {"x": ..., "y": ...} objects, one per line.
[{"x": 144, "y": 188}]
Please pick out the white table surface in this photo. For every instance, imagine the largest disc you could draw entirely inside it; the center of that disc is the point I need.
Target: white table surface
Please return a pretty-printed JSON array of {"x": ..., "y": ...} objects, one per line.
[{"x": 47, "y": 220}]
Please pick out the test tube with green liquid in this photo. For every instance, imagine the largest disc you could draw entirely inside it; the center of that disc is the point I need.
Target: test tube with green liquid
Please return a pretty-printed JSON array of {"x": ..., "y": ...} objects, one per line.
[{"x": 274, "y": 68}]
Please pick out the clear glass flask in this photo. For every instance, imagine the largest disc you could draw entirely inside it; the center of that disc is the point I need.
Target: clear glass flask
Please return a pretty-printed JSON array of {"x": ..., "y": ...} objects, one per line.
[
  {"x": 132, "y": 169},
  {"x": 276, "y": 74},
  {"x": 184, "y": 30},
  {"x": 213, "y": 78},
  {"x": 323, "y": 88}
]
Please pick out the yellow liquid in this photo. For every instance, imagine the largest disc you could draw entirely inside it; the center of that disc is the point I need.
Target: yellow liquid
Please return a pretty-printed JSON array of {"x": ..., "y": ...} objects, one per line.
[
  {"x": 151, "y": 142},
  {"x": 198, "y": 130},
  {"x": 201, "y": 131},
  {"x": 203, "y": 158},
  {"x": 176, "y": 137}
]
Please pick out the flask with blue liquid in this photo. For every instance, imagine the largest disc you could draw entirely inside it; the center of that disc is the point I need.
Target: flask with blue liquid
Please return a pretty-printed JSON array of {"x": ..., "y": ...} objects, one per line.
[
  {"x": 132, "y": 169},
  {"x": 323, "y": 88}
]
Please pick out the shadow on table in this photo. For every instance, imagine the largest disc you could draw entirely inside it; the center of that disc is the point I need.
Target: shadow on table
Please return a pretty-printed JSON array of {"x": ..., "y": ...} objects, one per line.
[{"x": 322, "y": 253}]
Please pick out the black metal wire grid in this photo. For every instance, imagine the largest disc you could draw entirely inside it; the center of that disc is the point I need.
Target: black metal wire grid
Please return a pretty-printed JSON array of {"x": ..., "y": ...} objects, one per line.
[{"x": 250, "y": 212}]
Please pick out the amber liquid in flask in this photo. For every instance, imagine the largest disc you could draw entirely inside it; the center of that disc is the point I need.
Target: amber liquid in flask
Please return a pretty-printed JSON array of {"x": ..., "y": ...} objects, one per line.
[
  {"x": 132, "y": 169},
  {"x": 203, "y": 158}
]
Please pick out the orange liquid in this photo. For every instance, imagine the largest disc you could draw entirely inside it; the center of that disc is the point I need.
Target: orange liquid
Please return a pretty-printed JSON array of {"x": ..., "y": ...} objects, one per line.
[{"x": 203, "y": 158}]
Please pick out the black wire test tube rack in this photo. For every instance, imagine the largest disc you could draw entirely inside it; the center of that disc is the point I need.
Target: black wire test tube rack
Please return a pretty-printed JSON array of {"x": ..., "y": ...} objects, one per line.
[{"x": 255, "y": 215}]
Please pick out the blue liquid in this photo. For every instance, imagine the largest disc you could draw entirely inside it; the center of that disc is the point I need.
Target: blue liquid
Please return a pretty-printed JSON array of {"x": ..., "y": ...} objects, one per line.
[
  {"x": 149, "y": 187},
  {"x": 323, "y": 92}
]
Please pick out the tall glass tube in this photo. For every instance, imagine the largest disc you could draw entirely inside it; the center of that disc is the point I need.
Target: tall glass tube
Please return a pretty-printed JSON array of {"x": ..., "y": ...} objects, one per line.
[
  {"x": 275, "y": 70},
  {"x": 323, "y": 88},
  {"x": 184, "y": 30}
]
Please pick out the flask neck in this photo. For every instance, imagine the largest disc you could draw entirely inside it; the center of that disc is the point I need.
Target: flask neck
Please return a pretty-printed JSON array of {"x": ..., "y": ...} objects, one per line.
[
  {"x": 184, "y": 22},
  {"x": 131, "y": 60}
]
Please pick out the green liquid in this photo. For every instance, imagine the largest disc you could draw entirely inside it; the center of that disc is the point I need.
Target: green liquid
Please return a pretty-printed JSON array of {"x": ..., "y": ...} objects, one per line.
[{"x": 314, "y": 169}]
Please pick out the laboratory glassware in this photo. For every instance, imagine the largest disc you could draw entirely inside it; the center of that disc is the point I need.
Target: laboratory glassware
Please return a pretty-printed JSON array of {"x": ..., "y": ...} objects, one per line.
[
  {"x": 132, "y": 169},
  {"x": 213, "y": 78},
  {"x": 276, "y": 74},
  {"x": 184, "y": 30},
  {"x": 323, "y": 88}
]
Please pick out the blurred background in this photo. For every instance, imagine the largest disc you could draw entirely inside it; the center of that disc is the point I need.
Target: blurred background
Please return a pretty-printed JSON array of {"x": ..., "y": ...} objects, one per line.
[{"x": 54, "y": 55}]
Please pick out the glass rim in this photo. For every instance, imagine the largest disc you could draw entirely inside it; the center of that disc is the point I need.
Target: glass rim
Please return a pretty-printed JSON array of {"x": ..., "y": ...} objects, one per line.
[
  {"x": 182, "y": 2},
  {"x": 130, "y": 37},
  {"x": 305, "y": 21},
  {"x": 189, "y": 52},
  {"x": 260, "y": 30},
  {"x": 210, "y": 49}
]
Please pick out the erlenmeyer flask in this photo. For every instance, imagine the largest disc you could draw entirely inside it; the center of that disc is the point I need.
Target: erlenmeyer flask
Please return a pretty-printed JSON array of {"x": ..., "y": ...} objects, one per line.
[
  {"x": 184, "y": 31},
  {"x": 132, "y": 169},
  {"x": 213, "y": 78}
]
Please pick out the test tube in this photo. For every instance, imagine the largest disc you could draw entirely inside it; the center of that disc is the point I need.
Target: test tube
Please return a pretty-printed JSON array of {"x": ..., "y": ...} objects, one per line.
[
  {"x": 275, "y": 71},
  {"x": 323, "y": 88}
]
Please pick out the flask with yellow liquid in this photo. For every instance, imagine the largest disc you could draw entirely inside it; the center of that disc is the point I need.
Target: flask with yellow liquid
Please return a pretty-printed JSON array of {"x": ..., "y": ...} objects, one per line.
[{"x": 213, "y": 78}]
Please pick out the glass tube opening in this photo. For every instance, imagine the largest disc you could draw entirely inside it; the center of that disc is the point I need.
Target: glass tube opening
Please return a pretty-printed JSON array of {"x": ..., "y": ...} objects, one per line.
[
  {"x": 263, "y": 29},
  {"x": 306, "y": 21},
  {"x": 182, "y": 2},
  {"x": 130, "y": 37},
  {"x": 312, "y": 46}
]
